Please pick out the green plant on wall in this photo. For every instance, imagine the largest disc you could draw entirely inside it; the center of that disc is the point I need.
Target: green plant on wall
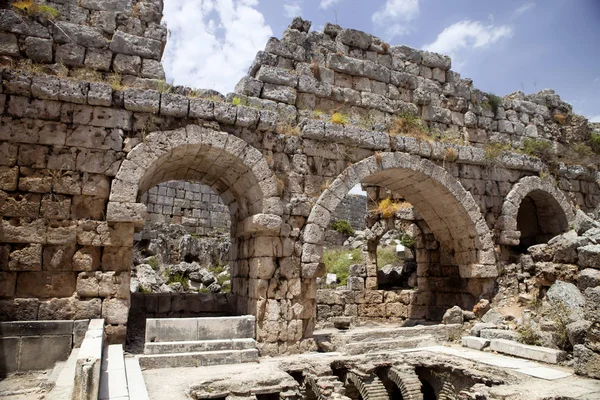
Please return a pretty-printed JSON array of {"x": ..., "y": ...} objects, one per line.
[
  {"x": 342, "y": 226},
  {"x": 35, "y": 9}
]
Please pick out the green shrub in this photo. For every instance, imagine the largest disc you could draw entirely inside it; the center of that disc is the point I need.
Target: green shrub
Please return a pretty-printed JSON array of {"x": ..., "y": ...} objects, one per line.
[
  {"x": 153, "y": 262},
  {"x": 537, "y": 148},
  {"x": 179, "y": 277},
  {"x": 528, "y": 335},
  {"x": 337, "y": 262},
  {"x": 386, "y": 255},
  {"x": 493, "y": 102},
  {"x": 406, "y": 240},
  {"x": 342, "y": 226},
  {"x": 595, "y": 142},
  {"x": 494, "y": 150}
]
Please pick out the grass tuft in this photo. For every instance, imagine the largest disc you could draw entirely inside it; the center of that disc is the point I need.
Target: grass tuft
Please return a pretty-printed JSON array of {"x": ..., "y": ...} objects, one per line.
[
  {"x": 407, "y": 124},
  {"x": 342, "y": 226},
  {"x": 339, "y": 118},
  {"x": 337, "y": 262}
]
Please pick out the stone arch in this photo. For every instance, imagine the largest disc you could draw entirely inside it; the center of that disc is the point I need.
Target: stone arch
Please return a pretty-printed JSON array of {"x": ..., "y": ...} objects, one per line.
[
  {"x": 407, "y": 381},
  {"x": 450, "y": 211},
  {"x": 549, "y": 201},
  {"x": 231, "y": 167},
  {"x": 235, "y": 170}
]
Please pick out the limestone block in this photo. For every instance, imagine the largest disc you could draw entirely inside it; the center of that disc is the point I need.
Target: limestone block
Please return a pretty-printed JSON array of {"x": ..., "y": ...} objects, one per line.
[
  {"x": 17, "y": 205},
  {"x": 86, "y": 36},
  {"x": 142, "y": 100},
  {"x": 126, "y": 212},
  {"x": 45, "y": 87},
  {"x": 249, "y": 86},
  {"x": 588, "y": 278},
  {"x": 87, "y": 284},
  {"x": 113, "y": 284},
  {"x": 247, "y": 116},
  {"x": 26, "y": 108},
  {"x": 225, "y": 113},
  {"x": 8, "y": 281},
  {"x": 127, "y": 65},
  {"x": 115, "y": 311},
  {"x": 23, "y": 232},
  {"x": 396, "y": 310},
  {"x": 95, "y": 233},
  {"x": 98, "y": 59},
  {"x": 136, "y": 46},
  {"x": 17, "y": 83},
  {"x": 87, "y": 259},
  {"x": 201, "y": 108},
  {"x": 9, "y": 45},
  {"x": 58, "y": 258},
  {"x": 55, "y": 206},
  {"x": 8, "y": 154},
  {"x": 95, "y": 185},
  {"x": 116, "y": 258},
  {"x": 284, "y": 94},
  {"x": 61, "y": 232},
  {"x": 38, "y": 49},
  {"x": 277, "y": 76},
  {"x": 45, "y": 284},
  {"x": 72, "y": 91},
  {"x": 70, "y": 54},
  {"x": 152, "y": 69},
  {"x": 587, "y": 362},
  {"x": 589, "y": 256},
  {"x": 174, "y": 105}
]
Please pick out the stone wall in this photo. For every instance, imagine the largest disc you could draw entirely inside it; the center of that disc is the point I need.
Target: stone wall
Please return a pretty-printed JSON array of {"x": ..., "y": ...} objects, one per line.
[
  {"x": 77, "y": 152},
  {"x": 38, "y": 345},
  {"x": 180, "y": 305},
  {"x": 353, "y": 209},
  {"x": 192, "y": 205}
]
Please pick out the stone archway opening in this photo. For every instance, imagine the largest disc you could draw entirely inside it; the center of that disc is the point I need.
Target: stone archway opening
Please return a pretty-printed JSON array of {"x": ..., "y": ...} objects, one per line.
[
  {"x": 539, "y": 219},
  {"x": 227, "y": 167},
  {"x": 461, "y": 268}
]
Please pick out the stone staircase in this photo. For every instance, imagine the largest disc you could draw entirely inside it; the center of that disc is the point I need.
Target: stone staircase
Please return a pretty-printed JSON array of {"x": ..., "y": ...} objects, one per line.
[
  {"x": 384, "y": 339},
  {"x": 195, "y": 342}
]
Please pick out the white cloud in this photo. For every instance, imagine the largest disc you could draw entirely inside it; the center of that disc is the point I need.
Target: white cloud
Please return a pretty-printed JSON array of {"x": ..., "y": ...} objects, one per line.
[
  {"x": 395, "y": 16},
  {"x": 292, "y": 9},
  {"x": 212, "y": 42},
  {"x": 325, "y": 4},
  {"x": 523, "y": 9},
  {"x": 595, "y": 118},
  {"x": 467, "y": 34}
]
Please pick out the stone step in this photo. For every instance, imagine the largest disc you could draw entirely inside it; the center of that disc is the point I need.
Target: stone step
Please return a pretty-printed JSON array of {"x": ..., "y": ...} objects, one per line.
[
  {"x": 192, "y": 329},
  {"x": 135, "y": 380},
  {"x": 440, "y": 332},
  {"x": 113, "y": 379},
  {"x": 198, "y": 359},
  {"x": 474, "y": 342},
  {"x": 196, "y": 346},
  {"x": 537, "y": 353},
  {"x": 63, "y": 387},
  {"x": 378, "y": 346},
  {"x": 504, "y": 334}
]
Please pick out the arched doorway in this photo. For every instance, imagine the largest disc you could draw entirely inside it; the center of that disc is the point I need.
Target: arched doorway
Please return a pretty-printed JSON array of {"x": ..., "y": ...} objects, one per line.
[
  {"x": 467, "y": 258},
  {"x": 236, "y": 172}
]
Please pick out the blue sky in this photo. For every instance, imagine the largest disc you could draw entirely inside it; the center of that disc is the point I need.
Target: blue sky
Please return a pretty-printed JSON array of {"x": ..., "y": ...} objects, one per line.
[{"x": 503, "y": 45}]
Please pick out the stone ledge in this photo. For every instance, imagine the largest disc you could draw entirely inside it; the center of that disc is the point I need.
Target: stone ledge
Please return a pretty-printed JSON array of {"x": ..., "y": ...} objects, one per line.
[{"x": 538, "y": 353}]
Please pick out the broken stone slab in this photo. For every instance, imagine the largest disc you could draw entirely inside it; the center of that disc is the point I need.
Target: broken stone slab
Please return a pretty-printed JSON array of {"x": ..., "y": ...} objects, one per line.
[
  {"x": 453, "y": 315},
  {"x": 474, "y": 342},
  {"x": 537, "y": 353},
  {"x": 499, "y": 334},
  {"x": 341, "y": 322},
  {"x": 589, "y": 256}
]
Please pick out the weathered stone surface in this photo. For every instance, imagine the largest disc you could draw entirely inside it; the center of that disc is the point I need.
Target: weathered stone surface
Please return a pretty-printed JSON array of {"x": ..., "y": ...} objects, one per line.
[
  {"x": 589, "y": 256},
  {"x": 453, "y": 315},
  {"x": 587, "y": 362},
  {"x": 563, "y": 294},
  {"x": 136, "y": 46},
  {"x": 38, "y": 49},
  {"x": 589, "y": 277}
]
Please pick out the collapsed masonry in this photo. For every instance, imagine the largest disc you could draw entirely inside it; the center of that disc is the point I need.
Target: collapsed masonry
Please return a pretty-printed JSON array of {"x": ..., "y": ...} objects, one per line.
[{"x": 318, "y": 113}]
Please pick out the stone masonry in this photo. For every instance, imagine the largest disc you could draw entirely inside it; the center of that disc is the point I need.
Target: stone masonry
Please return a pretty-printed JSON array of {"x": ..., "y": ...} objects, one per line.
[{"x": 77, "y": 153}]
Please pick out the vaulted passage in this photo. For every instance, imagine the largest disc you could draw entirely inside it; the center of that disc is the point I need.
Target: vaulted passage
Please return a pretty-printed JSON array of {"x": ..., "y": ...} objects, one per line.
[{"x": 539, "y": 219}]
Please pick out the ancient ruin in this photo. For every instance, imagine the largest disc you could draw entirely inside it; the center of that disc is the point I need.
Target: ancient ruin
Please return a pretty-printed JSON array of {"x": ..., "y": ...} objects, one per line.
[{"x": 191, "y": 226}]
